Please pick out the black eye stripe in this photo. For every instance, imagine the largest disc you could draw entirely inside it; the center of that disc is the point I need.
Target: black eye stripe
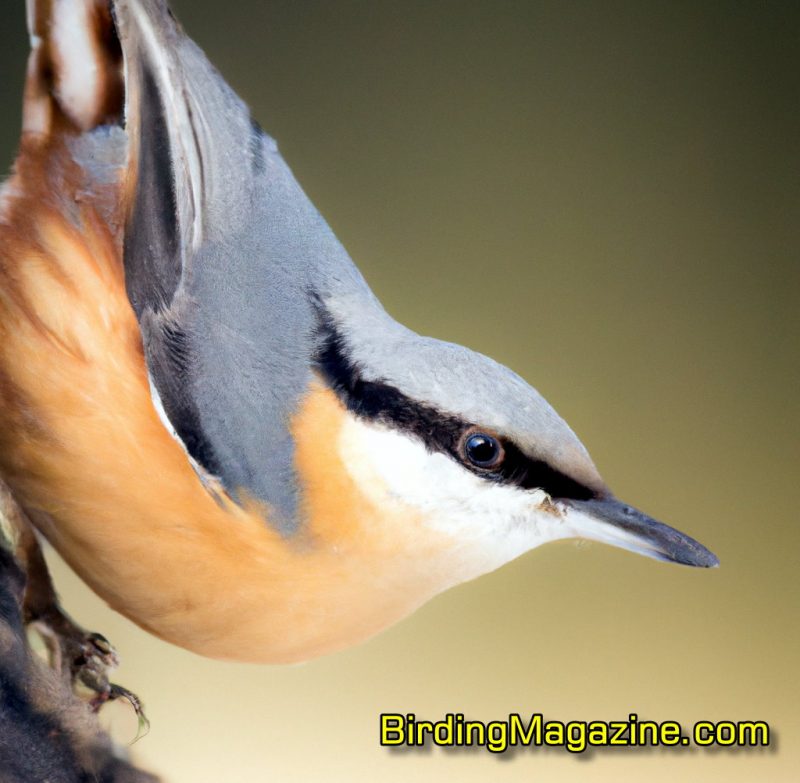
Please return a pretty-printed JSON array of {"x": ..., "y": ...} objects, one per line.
[
  {"x": 528, "y": 473},
  {"x": 439, "y": 431}
]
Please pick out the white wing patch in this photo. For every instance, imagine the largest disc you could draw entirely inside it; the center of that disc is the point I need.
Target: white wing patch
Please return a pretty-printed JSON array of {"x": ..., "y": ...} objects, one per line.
[
  {"x": 79, "y": 78},
  {"x": 211, "y": 482}
]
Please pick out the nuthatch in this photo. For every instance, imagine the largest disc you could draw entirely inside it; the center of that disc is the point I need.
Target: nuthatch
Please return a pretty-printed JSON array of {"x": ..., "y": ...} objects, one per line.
[{"x": 204, "y": 407}]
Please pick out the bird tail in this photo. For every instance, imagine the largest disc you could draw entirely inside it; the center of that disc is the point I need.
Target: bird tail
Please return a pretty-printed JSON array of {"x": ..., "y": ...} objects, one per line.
[{"x": 74, "y": 76}]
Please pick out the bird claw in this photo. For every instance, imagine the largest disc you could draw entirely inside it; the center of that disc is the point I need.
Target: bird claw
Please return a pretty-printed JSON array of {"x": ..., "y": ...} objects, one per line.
[
  {"x": 85, "y": 658},
  {"x": 79, "y": 655},
  {"x": 89, "y": 660},
  {"x": 114, "y": 692}
]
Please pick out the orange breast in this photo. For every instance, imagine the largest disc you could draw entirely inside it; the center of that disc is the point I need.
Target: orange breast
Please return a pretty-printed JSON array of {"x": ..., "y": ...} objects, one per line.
[{"x": 85, "y": 453}]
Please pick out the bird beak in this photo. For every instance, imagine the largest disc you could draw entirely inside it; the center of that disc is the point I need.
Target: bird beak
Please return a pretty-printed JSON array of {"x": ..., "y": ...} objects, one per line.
[{"x": 613, "y": 522}]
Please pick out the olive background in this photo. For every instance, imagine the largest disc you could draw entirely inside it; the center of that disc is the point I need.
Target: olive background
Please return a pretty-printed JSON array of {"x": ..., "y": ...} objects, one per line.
[{"x": 604, "y": 196}]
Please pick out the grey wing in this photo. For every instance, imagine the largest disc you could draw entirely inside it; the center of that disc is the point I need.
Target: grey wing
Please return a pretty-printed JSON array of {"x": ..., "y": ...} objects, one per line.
[{"x": 224, "y": 255}]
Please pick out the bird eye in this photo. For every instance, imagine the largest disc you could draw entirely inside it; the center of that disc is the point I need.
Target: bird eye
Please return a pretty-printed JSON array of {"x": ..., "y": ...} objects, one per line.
[{"x": 483, "y": 450}]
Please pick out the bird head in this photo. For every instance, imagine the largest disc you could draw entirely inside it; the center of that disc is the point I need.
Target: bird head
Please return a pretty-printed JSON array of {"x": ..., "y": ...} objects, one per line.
[{"x": 469, "y": 448}]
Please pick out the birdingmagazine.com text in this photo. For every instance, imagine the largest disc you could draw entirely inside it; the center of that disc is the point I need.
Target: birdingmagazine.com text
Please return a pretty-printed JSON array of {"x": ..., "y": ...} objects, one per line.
[{"x": 498, "y": 736}]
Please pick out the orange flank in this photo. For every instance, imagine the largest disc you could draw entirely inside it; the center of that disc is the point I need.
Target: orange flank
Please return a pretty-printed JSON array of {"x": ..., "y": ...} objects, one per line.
[{"x": 86, "y": 455}]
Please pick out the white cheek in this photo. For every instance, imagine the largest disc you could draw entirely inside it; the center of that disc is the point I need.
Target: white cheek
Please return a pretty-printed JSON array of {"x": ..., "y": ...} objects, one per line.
[{"x": 489, "y": 523}]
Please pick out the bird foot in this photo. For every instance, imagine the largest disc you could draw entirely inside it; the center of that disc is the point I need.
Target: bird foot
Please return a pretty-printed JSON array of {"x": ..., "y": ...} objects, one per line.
[{"x": 84, "y": 659}]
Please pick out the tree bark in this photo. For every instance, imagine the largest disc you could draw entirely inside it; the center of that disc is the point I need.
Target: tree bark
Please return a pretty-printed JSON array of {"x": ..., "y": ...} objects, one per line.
[{"x": 47, "y": 733}]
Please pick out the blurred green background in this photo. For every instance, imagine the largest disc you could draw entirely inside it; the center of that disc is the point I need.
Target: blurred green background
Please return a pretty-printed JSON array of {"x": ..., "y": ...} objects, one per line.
[{"x": 604, "y": 196}]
